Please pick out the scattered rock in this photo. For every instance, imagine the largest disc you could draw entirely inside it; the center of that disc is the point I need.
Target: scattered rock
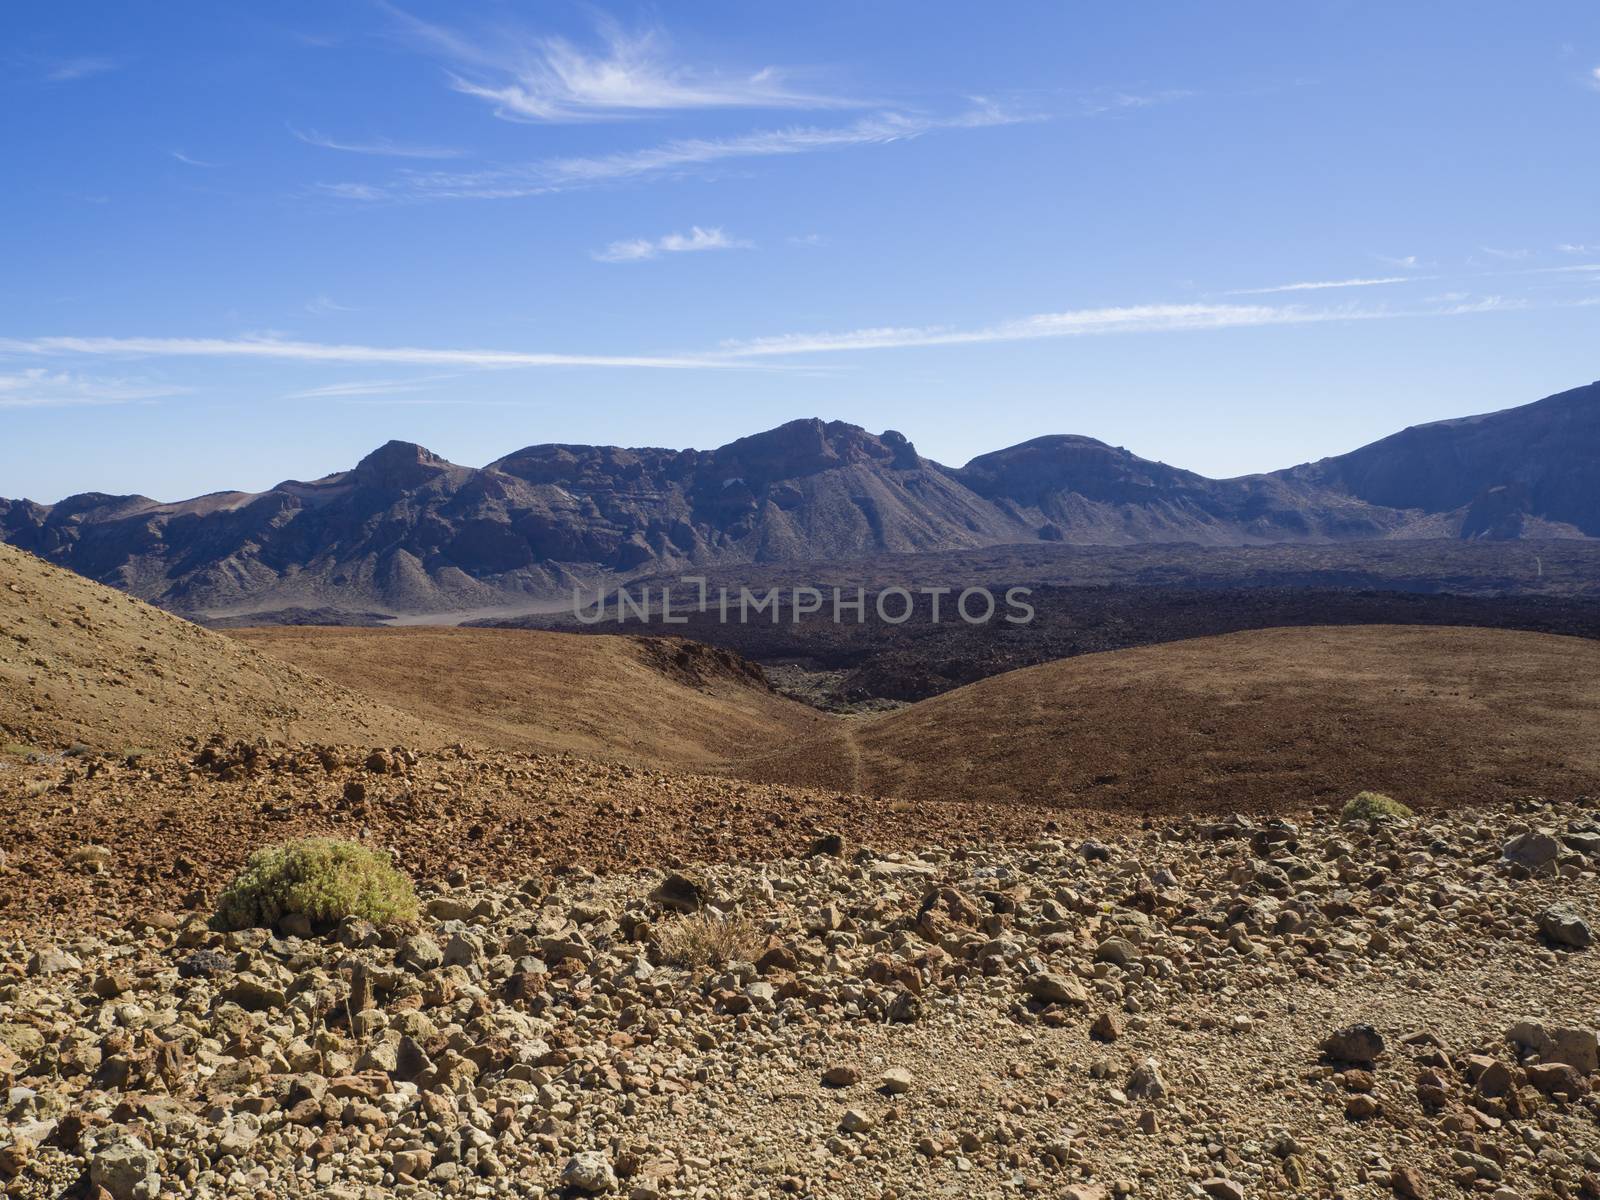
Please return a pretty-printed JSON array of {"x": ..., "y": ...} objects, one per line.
[
  {"x": 896, "y": 1081},
  {"x": 856, "y": 1121},
  {"x": 127, "y": 1170},
  {"x": 680, "y": 894},
  {"x": 1146, "y": 1083},
  {"x": 1409, "y": 1184},
  {"x": 1107, "y": 1027},
  {"x": 1533, "y": 849},
  {"x": 1361, "y": 1044},
  {"x": 1050, "y": 988},
  {"x": 590, "y": 1173},
  {"x": 1564, "y": 926}
]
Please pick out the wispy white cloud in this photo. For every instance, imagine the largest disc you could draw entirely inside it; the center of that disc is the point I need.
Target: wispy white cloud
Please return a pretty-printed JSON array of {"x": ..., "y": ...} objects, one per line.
[
  {"x": 563, "y": 174},
  {"x": 1507, "y": 255},
  {"x": 731, "y": 354},
  {"x": 188, "y": 161},
  {"x": 626, "y": 74},
  {"x": 1088, "y": 322},
  {"x": 321, "y": 306},
  {"x": 365, "y": 387},
  {"x": 640, "y": 249},
  {"x": 1594, "y": 78},
  {"x": 37, "y": 387},
  {"x": 301, "y": 351},
  {"x": 1574, "y": 269},
  {"x": 1408, "y": 262},
  {"x": 1578, "y": 248},
  {"x": 381, "y": 147},
  {"x": 1146, "y": 318},
  {"x": 70, "y": 70},
  {"x": 1122, "y": 101},
  {"x": 1326, "y": 284},
  {"x": 1484, "y": 304},
  {"x": 355, "y": 191}
]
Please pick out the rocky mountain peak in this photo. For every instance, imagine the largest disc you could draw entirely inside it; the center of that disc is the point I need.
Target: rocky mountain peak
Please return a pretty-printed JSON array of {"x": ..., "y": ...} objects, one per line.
[{"x": 397, "y": 464}]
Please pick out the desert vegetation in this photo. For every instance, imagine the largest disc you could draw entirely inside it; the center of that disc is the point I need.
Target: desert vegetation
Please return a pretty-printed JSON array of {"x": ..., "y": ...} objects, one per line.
[{"x": 314, "y": 884}]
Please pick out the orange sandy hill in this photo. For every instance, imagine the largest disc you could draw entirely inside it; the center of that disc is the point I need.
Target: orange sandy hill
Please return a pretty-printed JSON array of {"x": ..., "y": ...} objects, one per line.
[
  {"x": 660, "y": 701},
  {"x": 1269, "y": 719},
  {"x": 83, "y": 663}
]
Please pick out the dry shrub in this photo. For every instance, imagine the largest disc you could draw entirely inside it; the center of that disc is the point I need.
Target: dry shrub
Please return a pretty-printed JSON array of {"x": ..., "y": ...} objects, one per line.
[
  {"x": 324, "y": 879},
  {"x": 708, "y": 939},
  {"x": 1373, "y": 806}
]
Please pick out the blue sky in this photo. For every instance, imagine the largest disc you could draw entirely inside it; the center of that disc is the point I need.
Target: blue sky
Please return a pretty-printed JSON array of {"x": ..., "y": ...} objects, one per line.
[{"x": 245, "y": 242}]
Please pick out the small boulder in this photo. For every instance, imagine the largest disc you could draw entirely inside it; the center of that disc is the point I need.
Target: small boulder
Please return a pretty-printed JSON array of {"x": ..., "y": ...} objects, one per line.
[
  {"x": 1106, "y": 1028},
  {"x": 127, "y": 1170},
  {"x": 1409, "y": 1184},
  {"x": 420, "y": 953},
  {"x": 856, "y": 1121},
  {"x": 1047, "y": 987},
  {"x": 1117, "y": 951},
  {"x": 679, "y": 893},
  {"x": 589, "y": 1173},
  {"x": 896, "y": 1081},
  {"x": 1533, "y": 849},
  {"x": 1578, "y": 1048},
  {"x": 1146, "y": 1083},
  {"x": 1564, "y": 926},
  {"x": 1361, "y": 1044},
  {"x": 52, "y": 961}
]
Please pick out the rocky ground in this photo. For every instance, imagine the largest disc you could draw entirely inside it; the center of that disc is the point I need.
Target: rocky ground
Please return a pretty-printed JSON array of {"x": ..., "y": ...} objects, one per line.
[
  {"x": 1209, "y": 1008},
  {"x": 93, "y": 837}
]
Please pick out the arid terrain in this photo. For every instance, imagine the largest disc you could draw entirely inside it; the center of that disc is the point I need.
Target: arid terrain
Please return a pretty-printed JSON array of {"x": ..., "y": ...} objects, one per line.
[
  {"x": 1090, "y": 929},
  {"x": 81, "y": 663},
  {"x": 1270, "y": 720},
  {"x": 662, "y": 701}
]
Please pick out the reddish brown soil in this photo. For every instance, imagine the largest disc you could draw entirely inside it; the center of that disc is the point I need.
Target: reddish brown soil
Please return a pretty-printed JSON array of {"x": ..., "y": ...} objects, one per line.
[
  {"x": 1271, "y": 719},
  {"x": 661, "y": 702},
  {"x": 177, "y": 831},
  {"x": 82, "y": 663}
]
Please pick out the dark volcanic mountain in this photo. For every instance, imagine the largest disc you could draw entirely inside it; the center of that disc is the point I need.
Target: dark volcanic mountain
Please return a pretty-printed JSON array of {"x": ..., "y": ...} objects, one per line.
[
  {"x": 406, "y": 531},
  {"x": 1499, "y": 472}
]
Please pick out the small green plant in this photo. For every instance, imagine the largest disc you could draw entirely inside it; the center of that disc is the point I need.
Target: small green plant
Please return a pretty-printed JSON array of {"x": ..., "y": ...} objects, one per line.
[
  {"x": 708, "y": 939},
  {"x": 323, "y": 879},
  {"x": 1373, "y": 806}
]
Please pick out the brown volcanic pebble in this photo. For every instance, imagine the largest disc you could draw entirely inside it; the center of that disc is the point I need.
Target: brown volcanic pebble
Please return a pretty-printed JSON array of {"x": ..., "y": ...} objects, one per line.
[
  {"x": 1361, "y": 1107},
  {"x": 1107, "y": 1027}
]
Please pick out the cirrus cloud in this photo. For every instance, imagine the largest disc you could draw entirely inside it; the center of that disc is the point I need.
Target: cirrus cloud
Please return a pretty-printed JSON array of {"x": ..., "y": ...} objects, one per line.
[{"x": 697, "y": 239}]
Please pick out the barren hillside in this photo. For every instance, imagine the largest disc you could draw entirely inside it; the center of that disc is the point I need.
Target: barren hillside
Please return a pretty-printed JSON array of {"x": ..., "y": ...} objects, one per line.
[
  {"x": 1269, "y": 719},
  {"x": 665, "y": 702},
  {"x": 80, "y": 662}
]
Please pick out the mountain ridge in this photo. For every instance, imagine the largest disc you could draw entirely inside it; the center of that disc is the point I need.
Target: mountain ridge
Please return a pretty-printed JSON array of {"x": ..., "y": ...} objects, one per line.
[{"x": 408, "y": 531}]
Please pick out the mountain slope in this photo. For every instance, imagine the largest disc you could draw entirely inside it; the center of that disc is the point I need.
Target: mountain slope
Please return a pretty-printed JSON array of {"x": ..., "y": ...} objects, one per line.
[
  {"x": 1081, "y": 490},
  {"x": 405, "y": 531},
  {"x": 659, "y": 701},
  {"x": 1499, "y": 472},
  {"x": 1240, "y": 722},
  {"x": 82, "y": 663}
]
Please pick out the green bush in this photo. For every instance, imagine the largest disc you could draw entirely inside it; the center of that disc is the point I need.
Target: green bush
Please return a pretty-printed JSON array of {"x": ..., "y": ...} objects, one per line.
[
  {"x": 1373, "y": 806},
  {"x": 323, "y": 879}
]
